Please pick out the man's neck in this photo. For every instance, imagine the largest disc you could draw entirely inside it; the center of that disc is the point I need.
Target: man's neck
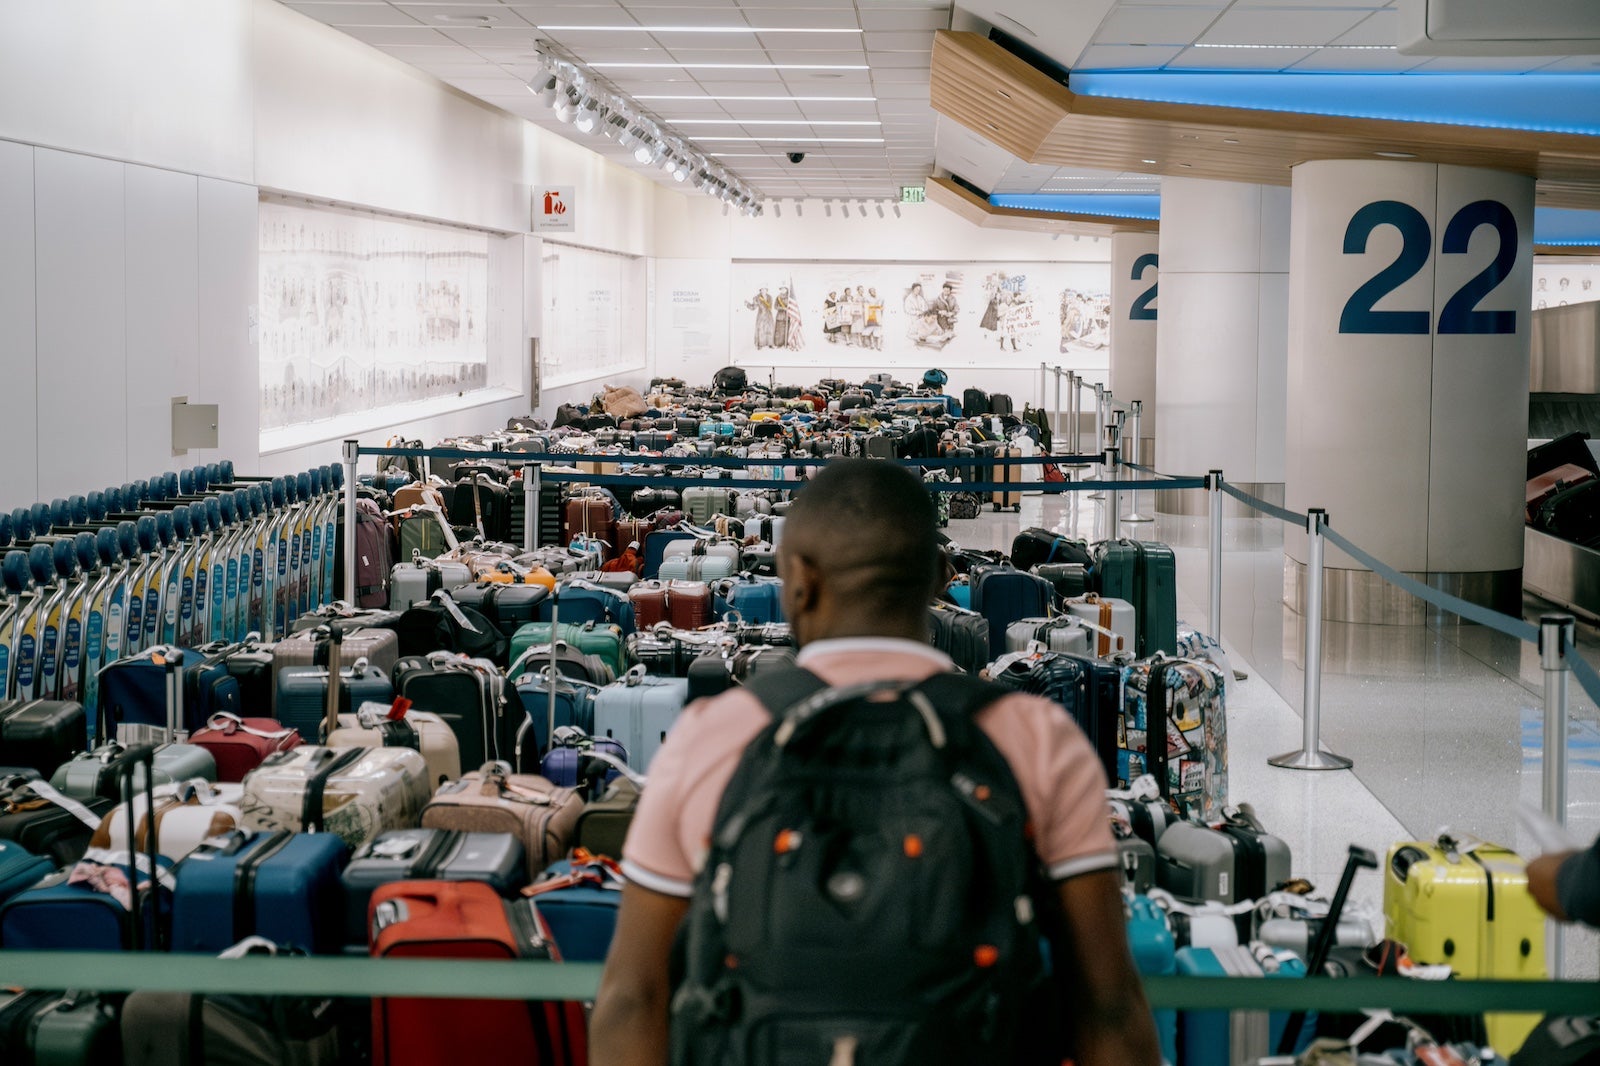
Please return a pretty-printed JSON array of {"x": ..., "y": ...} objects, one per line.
[{"x": 877, "y": 628}]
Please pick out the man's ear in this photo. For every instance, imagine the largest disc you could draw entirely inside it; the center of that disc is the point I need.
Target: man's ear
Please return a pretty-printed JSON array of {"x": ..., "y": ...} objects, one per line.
[{"x": 801, "y": 583}]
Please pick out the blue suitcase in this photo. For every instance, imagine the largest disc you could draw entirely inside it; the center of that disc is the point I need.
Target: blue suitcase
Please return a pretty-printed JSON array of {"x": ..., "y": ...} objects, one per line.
[
  {"x": 56, "y": 916},
  {"x": 302, "y": 696},
  {"x": 283, "y": 886},
  {"x": 758, "y": 600},
  {"x": 638, "y": 712},
  {"x": 582, "y": 917},
  {"x": 561, "y": 763},
  {"x": 20, "y": 869},
  {"x": 577, "y": 603},
  {"x": 133, "y": 692},
  {"x": 1220, "y": 1038},
  {"x": 574, "y": 707},
  {"x": 1154, "y": 954},
  {"x": 1003, "y": 594}
]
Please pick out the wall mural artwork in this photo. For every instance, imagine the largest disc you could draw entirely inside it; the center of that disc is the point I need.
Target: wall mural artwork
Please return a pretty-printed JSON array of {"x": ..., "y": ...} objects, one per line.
[
  {"x": 361, "y": 312},
  {"x": 1558, "y": 282},
  {"x": 876, "y": 313}
]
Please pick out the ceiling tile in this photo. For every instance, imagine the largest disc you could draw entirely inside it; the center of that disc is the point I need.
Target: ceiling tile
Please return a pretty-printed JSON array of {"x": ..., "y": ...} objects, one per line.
[
  {"x": 450, "y": 15},
  {"x": 1278, "y": 25},
  {"x": 1238, "y": 58},
  {"x": 1338, "y": 61},
  {"x": 1486, "y": 64},
  {"x": 1155, "y": 25},
  {"x": 1378, "y": 28},
  {"x": 1125, "y": 57},
  {"x": 356, "y": 14},
  {"x": 901, "y": 74},
  {"x": 597, "y": 14},
  {"x": 898, "y": 42},
  {"x": 414, "y": 35},
  {"x": 445, "y": 53},
  {"x": 1367, "y": 5},
  {"x": 901, "y": 91},
  {"x": 899, "y": 60},
  {"x": 771, "y": 77},
  {"x": 825, "y": 18}
]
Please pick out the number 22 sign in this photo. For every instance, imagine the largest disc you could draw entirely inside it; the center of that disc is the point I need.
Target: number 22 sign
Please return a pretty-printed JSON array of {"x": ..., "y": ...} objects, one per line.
[{"x": 1460, "y": 314}]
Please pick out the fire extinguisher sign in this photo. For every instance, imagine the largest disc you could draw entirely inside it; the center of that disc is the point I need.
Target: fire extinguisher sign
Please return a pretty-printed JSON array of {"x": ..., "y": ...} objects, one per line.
[{"x": 553, "y": 208}]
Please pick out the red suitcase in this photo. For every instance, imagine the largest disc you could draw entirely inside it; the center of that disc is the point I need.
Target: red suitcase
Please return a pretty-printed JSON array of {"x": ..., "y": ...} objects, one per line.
[
  {"x": 467, "y": 920},
  {"x": 649, "y": 601},
  {"x": 631, "y": 530},
  {"x": 240, "y": 744},
  {"x": 688, "y": 604}
]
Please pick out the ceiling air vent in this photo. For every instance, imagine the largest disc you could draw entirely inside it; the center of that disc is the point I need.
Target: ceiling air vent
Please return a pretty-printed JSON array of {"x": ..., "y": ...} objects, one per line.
[{"x": 1499, "y": 28}]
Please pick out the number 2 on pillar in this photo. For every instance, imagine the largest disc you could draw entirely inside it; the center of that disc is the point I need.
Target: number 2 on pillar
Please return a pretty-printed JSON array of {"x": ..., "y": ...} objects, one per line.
[{"x": 1460, "y": 314}]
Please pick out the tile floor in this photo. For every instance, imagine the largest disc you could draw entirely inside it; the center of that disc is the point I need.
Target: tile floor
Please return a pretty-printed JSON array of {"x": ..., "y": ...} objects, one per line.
[{"x": 1444, "y": 722}]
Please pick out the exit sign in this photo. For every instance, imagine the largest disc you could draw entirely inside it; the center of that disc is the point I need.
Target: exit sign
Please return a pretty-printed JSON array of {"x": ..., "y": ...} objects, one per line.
[{"x": 911, "y": 194}]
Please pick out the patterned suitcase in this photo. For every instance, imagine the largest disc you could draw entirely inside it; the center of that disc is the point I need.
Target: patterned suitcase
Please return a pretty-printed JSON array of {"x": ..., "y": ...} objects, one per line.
[
  {"x": 353, "y": 793},
  {"x": 1183, "y": 699},
  {"x": 531, "y": 808},
  {"x": 420, "y": 731}
]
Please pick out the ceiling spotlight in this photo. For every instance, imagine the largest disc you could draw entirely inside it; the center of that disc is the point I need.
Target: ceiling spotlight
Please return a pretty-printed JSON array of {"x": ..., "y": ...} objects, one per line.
[
  {"x": 680, "y": 171},
  {"x": 896, "y": 210},
  {"x": 863, "y": 209},
  {"x": 880, "y": 210},
  {"x": 645, "y": 152},
  {"x": 544, "y": 90},
  {"x": 566, "y": 105},
  {"x": 587, "y": 116},
  {"x": 827, "y": 209},
  {"x": 777, "y": 210},
  {"x": 614, "y": 125}
]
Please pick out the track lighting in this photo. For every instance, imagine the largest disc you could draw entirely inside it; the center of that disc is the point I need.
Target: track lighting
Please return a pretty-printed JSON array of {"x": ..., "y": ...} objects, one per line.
[
  {"x": 880, "y": 210},
  {"x": 863, "y": 209},
  {"x": 587, "y": 116},
  {"x": 827, "y": 209},
  {"x": 896, "y": 210},
  {"x": 544, "y": 89}
]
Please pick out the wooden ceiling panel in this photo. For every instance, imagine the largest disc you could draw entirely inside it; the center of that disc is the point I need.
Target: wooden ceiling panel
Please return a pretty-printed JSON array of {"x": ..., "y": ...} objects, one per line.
[
  {"x": 980, "y": 212},
  {"x": 983, "y": 87}
]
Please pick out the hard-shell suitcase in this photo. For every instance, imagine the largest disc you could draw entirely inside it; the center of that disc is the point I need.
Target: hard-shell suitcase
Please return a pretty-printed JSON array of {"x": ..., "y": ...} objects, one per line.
[
  {"x": 564, "y": 763},
  {"x": 353, "y": 793},
  {"x": 1238, "y": 862},
  {"x": 379, "y": 647},
  {"x": 20, "y": 869},
  {"x": 281, "y": 885},
  {"x": 134, "y": 694},
  {"x": 699, "y": 562},
  {"x": 1003, "y": 474},
  {"x": 655, "y": 550},
  {"x": 1070, "y": 580},
  {"x": 303, "y": 695},
  {"x": 1115, "y": 622},
  {"x": 638, "y": 712},
  {"x": 495, "y": 859},
  {"x": 1060, "y": 634},
  {"x": 1090, "y": 691},
  {"x": 701, "y": 502},
  {"x": 961, "y": 634},
  {"x": 1221, "y": 1038},
  {"x": 690, "y": 604},
  {"x": 469, "y": 696},
  {"x": 580, "y": 601},
  {"x": 93, "y": 773},
  {"x": 649, "y": 601},
  {"x": 573, "y": 705},
  {"x": 1467, "y": 904},
  {"x": 537, "y": 812},
  {"x": 579, "y": 900},
  {"x": 434, "y": 919},
  {"x": 1144, "y": 574},
  {"x": 605, "y": 641},
  {"x": 41, "y": 734},
  {"x": 421, "y": 731},
  {"x": 1003, "y": 594},
  {"x": 603, "y": 825},
  {"x": 58, "y": 1029},
  {"x": 510, "y": 606},
  {"x": 412, "y": 582},
  {"x": 1150, "y": 940},
  {"x": 38, "y": 821},
  {"x": 240, "y": 744},
  {"x": 756, "y": 600},
  {"x": 1184, "y": 699}
]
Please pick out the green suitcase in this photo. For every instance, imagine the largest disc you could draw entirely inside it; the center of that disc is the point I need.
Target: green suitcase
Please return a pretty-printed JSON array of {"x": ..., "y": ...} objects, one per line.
[
  {"x": 591, "y": 638},
  {"x": 1145, "y": 574},
  {"x": 52, "y": 1029}
]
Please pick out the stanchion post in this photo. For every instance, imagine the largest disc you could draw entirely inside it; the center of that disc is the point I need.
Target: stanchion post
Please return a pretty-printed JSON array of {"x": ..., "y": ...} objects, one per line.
[
  {"x": 1059, "y": 428},
  {"x": 1311, "y": 756},
  {"x": 352, "y": 454},
  {"x": 1214, "y": 502},
  {"x": 1109, "y": 459},
  {"x": 533, "y": 506},
  {"x": 1556, "y": 635},
  {"x": 1074, "y": 432},
  {"x": 1100, "y": 397},
  {"x": 530, "y": 508},
  {"x": 1134, "y": 449}
]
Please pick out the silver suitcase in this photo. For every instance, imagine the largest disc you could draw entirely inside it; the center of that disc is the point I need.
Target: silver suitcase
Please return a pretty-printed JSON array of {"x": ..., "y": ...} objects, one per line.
[
  {"x": 436, "y": 742},
  {"x": 379, "y": 647},
  {"x": 1064, "y": 635},
  {"x": 1117, "y": 629},
  {"x": 412, "y": 583}
]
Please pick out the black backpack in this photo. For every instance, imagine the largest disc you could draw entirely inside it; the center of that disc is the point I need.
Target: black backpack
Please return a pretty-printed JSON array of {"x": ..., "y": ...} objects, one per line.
[
  {"x": 870, "y": 892},
  {"x": 730, "y": 379}
]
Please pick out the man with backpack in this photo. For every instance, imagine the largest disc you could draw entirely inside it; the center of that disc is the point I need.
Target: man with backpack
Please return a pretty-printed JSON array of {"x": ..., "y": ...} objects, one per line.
[{"x": 868, "y": 860}]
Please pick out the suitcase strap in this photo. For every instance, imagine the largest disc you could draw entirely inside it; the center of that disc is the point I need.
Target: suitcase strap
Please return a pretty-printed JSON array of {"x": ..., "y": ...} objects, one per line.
[
  {"x": 433, "y": 857},
  {"x": 227, "y": 723},
  {"x": 47, "y": 794},
  {"x": 586, "y": 869},
  {"x": 244, "y": 882},
  {"x": 317, "y": 783}
]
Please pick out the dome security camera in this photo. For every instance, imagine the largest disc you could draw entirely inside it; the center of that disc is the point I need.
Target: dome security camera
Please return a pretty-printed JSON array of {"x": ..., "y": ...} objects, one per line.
[{"x": 797, "y": 157}]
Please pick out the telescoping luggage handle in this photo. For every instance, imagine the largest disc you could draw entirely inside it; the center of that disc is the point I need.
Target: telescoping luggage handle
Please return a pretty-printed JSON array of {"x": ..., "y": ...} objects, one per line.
[
  {"x": 335, "y": 655},
  {"x": 1359, "y": 858}
]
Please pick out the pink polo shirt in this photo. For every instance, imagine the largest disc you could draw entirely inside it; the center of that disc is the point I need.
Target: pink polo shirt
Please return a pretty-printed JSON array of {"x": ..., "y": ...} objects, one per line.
[{"x": 1060, "y": 776}]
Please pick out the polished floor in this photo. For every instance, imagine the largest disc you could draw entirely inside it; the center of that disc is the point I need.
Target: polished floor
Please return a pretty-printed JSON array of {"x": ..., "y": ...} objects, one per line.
[{"x": 1444, "y": 722}]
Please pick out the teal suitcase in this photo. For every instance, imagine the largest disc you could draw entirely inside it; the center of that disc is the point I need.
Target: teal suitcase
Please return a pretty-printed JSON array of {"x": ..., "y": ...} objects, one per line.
[{"x": 1146, "y": 575}]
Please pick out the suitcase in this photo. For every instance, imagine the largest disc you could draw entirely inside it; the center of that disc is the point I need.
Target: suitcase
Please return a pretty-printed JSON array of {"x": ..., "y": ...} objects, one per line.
[
  {"x": 1184, "y": 698},
  {"x": 379, "y": 647},
  {"x": 690, "y": 604},
  {"x": 655, "y": 550},
  {"x": 1144, "y": 574},
  {"x": 961, "y": 634},
  {"x": 54, "y": 830},
  {"x": 715, "y": 672},
  {"x": 1237, "y": 862},
  {"x": 250, "y": 664},
  {"x": 603, "y": 825},
  {"x": 412, "y": 582},
  {"x": 281, "y": 885},
  {"x": 590, "y": 517},
  {"x": 1467, "y": 905},
  {"x": 187, "y": 813},
  {"x": 494, "y": 859},
  {"x": 433, "y": 919},
  {"x": 702, "y": 502},
  {"x": 1137, "y": 857},
  {"x": 134, "y": 694},
  {"x": 239, "y": 744},
  {"x": 537, "y": 812},
  {"x": 1070, "y": 580},
  {"x": 192, "y": 1028},
  {"x": 714, "y": 564},
  {"x": 1003, "y": 594},
  {"x": 41, "y": 734},
  {"x": 573, "y": 706},
  {"x": 1089, "y": 691},
  {"x": 302, "y": 697},
  {"x": 649, "y": 600},
  {"x": 512, "y": 606},
  {"x": 1034, "y": 546},
  {"x": 421, "y": 731},
  {"x": 563, "y": 763},
  {"x": 46, "y": 1028},
  {"x": 468, "y": 696},
  {"x": 20, "y": 869},
  {"x": 1572, "y": 513},
  {"x": 1058, "y": 634},
  {"x": 1114, "y": 623},
  {"x": 582, "y": 601},
  {"x": 604, "y": 641},
  {"x": 1006, "y": 475},
  {"x": 352, "y": 793},
  {"x": 1154, "y": 955},
  {"x": 1221, "y": 1038},
  {"x": 638, "y": 712},
  {"x": 579, "y": 900},
  {"x": 755, "y": 600}
]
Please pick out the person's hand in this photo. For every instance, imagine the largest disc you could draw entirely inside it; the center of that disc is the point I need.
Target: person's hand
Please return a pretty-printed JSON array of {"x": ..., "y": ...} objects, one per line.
[{"x": 1542, "y": 882}]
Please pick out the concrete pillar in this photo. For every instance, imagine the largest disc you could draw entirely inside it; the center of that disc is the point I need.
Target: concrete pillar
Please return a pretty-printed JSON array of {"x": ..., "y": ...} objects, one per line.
[
  {"x": 1135, "y": 263},
  {"x": 1408, "y": 378},
  {"x": 1220, "y": 362}
]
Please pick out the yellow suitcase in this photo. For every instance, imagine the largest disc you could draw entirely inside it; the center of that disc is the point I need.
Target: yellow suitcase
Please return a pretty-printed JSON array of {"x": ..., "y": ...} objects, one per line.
[{"x": 1468, "y": 905}]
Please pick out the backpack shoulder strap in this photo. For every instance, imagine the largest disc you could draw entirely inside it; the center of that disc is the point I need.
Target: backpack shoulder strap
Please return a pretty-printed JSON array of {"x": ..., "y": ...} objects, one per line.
[
  {"x": 783, "y": 688},
  {"x": 962, "y": 695}
]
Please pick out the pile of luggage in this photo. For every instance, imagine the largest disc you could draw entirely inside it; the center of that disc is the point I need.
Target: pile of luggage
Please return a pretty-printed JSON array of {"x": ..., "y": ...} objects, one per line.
[{"x": 1563, "y": 491}]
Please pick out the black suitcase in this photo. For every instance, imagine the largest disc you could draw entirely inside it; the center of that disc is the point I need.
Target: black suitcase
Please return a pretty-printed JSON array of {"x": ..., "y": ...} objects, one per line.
[
  {"x": 513, "y": 606},
  {"x": 961, "y": 634},
  {"x": 1034, "y": 546},
  {"x": 1070, "y": 579},
  {"x": 496, "y": 859},
  {"x": 482, "y": 504},
  {"x": 41, "y": 734},
  {"x": 49, "y": 831},
  {"x": 471, "y": 702},
  {"x": 974, "y": 402},
  {"x": 1572, "y": 514}
]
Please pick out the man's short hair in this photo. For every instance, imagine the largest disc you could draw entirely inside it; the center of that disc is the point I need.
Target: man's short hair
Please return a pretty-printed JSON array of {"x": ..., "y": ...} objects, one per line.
[{"x": 871, "y": 524}]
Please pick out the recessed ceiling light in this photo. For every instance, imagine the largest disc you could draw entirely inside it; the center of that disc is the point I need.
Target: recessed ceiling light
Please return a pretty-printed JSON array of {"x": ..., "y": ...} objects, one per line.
[
  {"x": 1396, "y": 155},
  {"x": 1003, "y": 93},
  {"x": 1302, "y": 47},
  {"x": 1150, "y": 161},
  {"x": 471, "y": 20},
  {"x": 1014, "y": 22},
  {"x": 729, "y": 66},
  {"x": 1230, "y": 140},
  {"x": 699, "y": 29}
]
